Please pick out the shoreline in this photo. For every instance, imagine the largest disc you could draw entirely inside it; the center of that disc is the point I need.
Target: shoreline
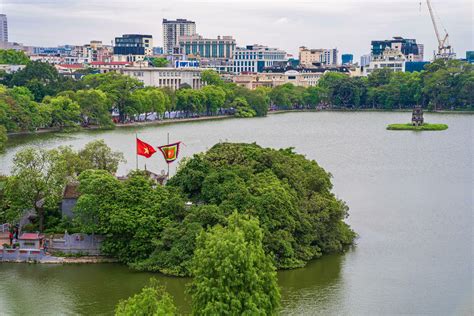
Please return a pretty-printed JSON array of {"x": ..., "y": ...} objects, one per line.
[
  {"x": 211, "y": 118},
  {"x": 64, "y": 260}
]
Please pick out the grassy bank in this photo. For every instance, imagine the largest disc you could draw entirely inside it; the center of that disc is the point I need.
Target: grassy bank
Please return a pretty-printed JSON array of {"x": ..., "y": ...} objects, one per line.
[{"x": 424, "y": 127}]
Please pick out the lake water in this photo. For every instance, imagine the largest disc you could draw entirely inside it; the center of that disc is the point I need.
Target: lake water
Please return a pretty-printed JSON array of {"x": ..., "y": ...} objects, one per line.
[{"x": 411, "y": 202}]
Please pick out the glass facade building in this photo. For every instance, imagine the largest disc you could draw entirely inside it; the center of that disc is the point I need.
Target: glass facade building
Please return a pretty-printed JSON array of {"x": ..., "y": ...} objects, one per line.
[
  {"x": 221, "y": 47},
  {"x": 133, "y": 44}
]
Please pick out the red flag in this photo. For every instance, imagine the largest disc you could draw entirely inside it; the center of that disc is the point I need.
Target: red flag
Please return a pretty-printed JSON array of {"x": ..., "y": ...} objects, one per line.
[
  {"x": 144, "y": 149},
  {"x": 170, "y": 151}
]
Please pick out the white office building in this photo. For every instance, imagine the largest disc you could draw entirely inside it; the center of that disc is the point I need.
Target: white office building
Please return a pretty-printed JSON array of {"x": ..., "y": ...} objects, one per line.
[
  {"x": 254, "y": 58},
  {"x": 173, "y": 30},
  {"x": 392, "y": 59},
  {"x": 172, "y": 78}
]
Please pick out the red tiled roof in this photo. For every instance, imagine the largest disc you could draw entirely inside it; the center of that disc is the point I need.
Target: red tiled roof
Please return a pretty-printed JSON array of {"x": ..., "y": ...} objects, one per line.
[
  {"x": 103, "y": 63},
  {"x": 74, "y": 66},
  {"x": 31, "y": 236},
  {"x": 71, "y": 191}
]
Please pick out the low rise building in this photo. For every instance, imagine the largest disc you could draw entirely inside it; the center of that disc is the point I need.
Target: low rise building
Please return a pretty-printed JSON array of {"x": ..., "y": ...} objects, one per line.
[
  {"x": 11, "y": 68},
  {"x": 96, "y": 51},
  {"x": 172, "y": 78},
  {"x": 309, "y": 57},
  {"x": 276, "y": 76},
  {"x": 104, "y": 67}
]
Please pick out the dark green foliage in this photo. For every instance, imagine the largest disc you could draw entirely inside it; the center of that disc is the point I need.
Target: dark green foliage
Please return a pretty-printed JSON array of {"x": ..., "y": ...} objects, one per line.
[
  {"x": 232, "y": 273},
  {"x": 211, "y": 77},
  {"x": 242, "y": 108},
  {"x": 118, "y": 87},
  {"x": 3, "y": 137},
  {"x": 13, "y": 57},
  {"x": 153, "y": 300},
  {"x": 158, "y": 62},
  {"x": 130, "y": 213},
  {"x": 42, "y": 79},
  {"x": 289, "y": 194}
]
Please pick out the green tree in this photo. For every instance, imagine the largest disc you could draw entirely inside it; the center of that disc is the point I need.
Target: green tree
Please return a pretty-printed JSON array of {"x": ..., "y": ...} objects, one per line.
[
  {"x": 149, "y": 100},
  {"x": 242, "y": 108},
  {"x": 97, "y": 155},
  {"x": 280, "y": 96},
  {"x": 152, "y": 300},
  {"x": 3, "y": 137},
  {"x": 13, "y": 57},
  {"x": 312, "y": 97},
  {"x": 214, "y": 98},
  {"x": 118, "y": 87},
  {"x": 379, "y": 77},
  {"x": 290, "y": 195},
  {"x": 64, "y": 111},
  {"x": 211, "y": 77},
  {"x": 232, "y": 274},
  {"x": 129, "y": 213},
  {"x": 40, "y": 78},
  {"x": 159, "y": 62},
  {"x": 37, "y": 180},
  {"x": 95, "y": 107},
  {"x": 190, "y": 101}
]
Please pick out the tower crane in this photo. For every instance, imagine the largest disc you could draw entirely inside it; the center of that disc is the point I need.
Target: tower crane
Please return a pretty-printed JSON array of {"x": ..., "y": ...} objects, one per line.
[{"x": 445, "y": 50}]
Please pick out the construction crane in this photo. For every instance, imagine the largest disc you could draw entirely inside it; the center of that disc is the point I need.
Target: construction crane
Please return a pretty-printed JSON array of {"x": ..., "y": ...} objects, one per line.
[{"x": 445, "y": 50}]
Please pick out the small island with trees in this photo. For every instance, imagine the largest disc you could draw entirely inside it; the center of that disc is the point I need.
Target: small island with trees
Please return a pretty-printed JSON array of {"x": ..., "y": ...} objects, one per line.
[
  {"x": 229, "y": 218},
  {"x": 417, "y": 123}
]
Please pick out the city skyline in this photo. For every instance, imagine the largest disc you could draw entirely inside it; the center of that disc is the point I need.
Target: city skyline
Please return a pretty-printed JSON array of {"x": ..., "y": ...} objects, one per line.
[{"x": 273, "y": 23}]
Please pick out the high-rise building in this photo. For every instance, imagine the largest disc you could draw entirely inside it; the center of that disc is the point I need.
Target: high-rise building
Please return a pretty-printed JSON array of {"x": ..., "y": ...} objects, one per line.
[
  {"x": 407, "y": 47},
  {"x": 347, "y": 59},
  {"x": 3, "y": 28},
  {"x": 173, "y": 30},
  {"x": 365, "y": 60},
  {"x": 220, "y": 47},
  {"x": 254, "y": 58},
  {"x": 421, "y": 52},
  {"x": 133, "y": 47},
  {"x": 309, "y": 57}
]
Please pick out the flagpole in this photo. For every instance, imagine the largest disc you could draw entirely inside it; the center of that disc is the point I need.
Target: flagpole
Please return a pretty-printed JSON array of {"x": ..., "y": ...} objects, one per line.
[
  {"x": 167, "y": 162},
  {"x": 136, "y": 150}
]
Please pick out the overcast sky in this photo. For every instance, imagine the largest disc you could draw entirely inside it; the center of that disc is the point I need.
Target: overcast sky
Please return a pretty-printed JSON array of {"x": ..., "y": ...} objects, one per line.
[{"x": 349, "y": 25}]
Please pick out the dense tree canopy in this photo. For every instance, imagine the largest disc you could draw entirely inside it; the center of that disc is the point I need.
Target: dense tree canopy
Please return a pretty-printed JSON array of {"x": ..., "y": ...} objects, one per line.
[
  {"x": 13, "y": 57},
  {"x": 38, "y": 97},
  {"x": 290, "y": 196},
  {"x": 120, "y": 89},
  {"x": 152, "y": 300},
  {"x": 232, "y": 273},
  {"x": 39, "y": 176},
  {"x": 37, "y": 180}
]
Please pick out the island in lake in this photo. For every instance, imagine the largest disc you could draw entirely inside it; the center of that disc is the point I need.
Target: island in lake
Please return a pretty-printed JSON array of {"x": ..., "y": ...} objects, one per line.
[{"x": 417, "y": 123}]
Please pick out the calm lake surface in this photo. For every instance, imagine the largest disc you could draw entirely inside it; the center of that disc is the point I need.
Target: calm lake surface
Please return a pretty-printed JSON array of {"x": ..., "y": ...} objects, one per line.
[{"x": 411, "y": 202}]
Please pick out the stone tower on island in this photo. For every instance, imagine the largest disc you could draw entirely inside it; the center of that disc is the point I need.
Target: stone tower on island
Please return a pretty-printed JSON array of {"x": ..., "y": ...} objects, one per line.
[{"x": 417, "y": 116}]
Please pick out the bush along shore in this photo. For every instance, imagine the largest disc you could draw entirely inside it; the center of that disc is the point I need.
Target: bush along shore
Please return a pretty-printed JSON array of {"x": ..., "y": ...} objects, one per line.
[{"x": 411, "y": 127}]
